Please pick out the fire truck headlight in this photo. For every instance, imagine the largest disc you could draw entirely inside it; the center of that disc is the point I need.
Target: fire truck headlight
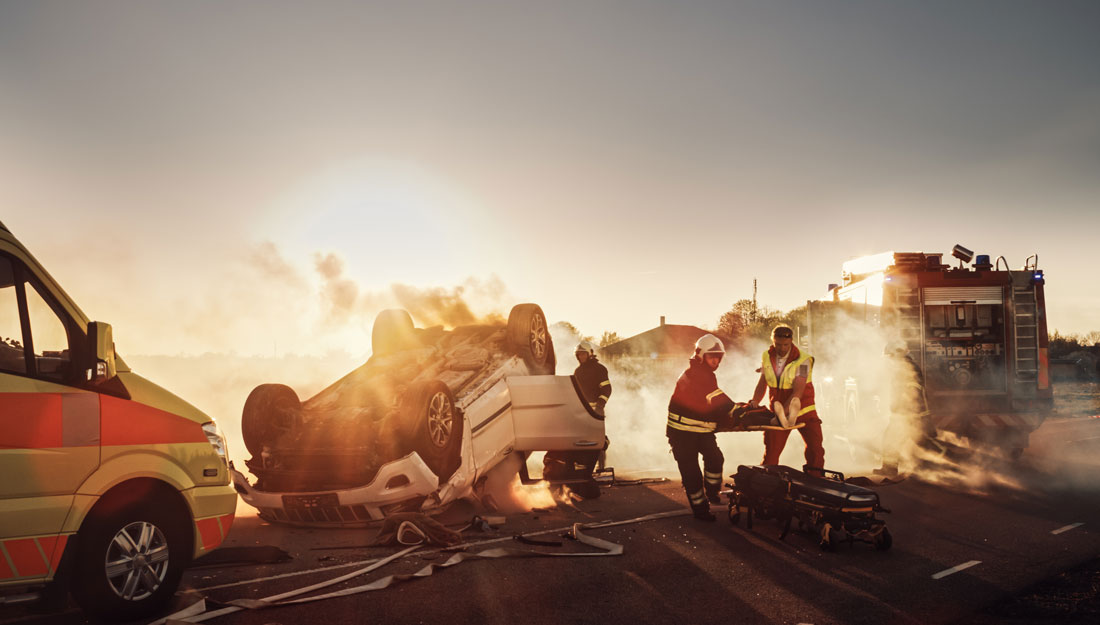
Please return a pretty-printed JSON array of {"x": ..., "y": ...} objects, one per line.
[{"x": 214, "y": 435}]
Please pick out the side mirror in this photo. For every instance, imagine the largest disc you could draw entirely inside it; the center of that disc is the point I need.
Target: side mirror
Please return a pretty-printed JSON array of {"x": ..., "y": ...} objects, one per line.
[{"x": 101, "y": 348}]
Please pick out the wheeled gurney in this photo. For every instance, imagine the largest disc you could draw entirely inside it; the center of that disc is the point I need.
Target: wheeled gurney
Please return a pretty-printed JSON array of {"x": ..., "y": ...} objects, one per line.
[{"x": 828, "y": 506}]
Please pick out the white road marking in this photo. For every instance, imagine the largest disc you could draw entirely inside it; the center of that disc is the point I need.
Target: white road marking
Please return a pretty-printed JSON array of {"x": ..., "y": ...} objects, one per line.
[
  {"x": 955, "y": 569},
  {"x": 1066, "y": 528}
]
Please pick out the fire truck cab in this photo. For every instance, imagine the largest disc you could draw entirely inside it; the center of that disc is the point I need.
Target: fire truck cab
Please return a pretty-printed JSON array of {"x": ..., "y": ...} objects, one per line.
[
  {"x": 978, "y": 334},
  {"x": 110, "y": 484}
]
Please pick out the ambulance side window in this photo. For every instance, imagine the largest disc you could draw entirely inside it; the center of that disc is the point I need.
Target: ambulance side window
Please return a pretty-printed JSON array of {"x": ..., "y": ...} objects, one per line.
[
  {"x": 11, "y": 332},
  {"x": 48, "y": 337}
]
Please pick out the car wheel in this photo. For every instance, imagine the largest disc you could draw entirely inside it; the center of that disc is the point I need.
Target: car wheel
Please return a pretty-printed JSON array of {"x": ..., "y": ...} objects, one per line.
[
  {"x": 883, "y": 540},
  {"x": 529, "y": 338},
  {"x": 270, "y": 411},
  {"x": 393, "y": 331},
  {"x": 435, "y": 426},
  {"x": 129, "y": 562}
]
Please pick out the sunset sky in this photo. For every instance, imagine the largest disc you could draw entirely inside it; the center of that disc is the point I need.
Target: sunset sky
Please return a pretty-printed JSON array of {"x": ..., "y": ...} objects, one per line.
[{"x": 255, "y": 176}]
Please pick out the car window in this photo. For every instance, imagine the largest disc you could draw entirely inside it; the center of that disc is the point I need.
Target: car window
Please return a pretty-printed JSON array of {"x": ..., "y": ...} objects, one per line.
[
  {"x": 11, "y": 333},
  {"x": 48, "y": 337}
]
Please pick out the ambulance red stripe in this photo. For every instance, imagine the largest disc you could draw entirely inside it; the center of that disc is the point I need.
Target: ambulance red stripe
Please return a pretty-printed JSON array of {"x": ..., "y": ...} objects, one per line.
[{"x": 125, "y": 422}]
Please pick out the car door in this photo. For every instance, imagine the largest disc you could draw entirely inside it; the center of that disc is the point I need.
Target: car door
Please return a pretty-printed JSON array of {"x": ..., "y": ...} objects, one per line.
[
  {"x": 550, "y": 414},
  {"x": 49, "y": 426}
]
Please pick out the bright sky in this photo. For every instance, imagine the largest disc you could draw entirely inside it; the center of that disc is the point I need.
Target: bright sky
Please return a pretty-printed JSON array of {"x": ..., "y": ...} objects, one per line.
[{"x": 186, "y": 169}]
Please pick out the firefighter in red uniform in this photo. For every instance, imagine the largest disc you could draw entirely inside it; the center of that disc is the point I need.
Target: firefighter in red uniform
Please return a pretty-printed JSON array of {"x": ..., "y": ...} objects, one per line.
[
  {"x": 592, "y": 378},
  {"x": 693, "y": 411},
  {"x": 787, "y": 374}
]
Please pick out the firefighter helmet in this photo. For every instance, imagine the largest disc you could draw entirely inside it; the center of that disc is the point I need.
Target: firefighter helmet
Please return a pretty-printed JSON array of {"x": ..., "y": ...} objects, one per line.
[
  {"x": 709, "y": 344},
  {"x": 586, "y": 347}
]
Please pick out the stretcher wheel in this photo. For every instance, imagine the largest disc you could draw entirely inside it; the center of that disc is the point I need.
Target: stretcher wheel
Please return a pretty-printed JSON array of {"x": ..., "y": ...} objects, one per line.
[
  {"x": 734, "y": 514},
  {"x": 830, "y": 538},
  {"x": 883, "y": 540}
]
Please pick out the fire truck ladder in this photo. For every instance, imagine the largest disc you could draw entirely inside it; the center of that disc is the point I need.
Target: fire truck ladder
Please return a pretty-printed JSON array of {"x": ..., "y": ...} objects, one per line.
[
  {"x": 909, "y": 321},
  {"x": 1025, "y": 329}
]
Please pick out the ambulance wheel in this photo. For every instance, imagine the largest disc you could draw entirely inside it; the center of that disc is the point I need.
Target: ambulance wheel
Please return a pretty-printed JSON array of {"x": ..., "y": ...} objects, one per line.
[
  {"x": 529, "y": 338},
  {"x": 393, "y": 331},
  {"x": 883, "y": 540},
  {"x": 270, "y": 411},
  {"x": 434, "y": 425},
  {"x": 130, "y": 561}
]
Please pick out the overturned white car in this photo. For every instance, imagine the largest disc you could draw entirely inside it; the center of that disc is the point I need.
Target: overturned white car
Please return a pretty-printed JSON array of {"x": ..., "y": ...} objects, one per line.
[{"x": 416, "y": 427}]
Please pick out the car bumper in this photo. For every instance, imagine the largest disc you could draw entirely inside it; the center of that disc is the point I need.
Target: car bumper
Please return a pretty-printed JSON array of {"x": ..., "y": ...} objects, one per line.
[{"x": 396, "y": 486}]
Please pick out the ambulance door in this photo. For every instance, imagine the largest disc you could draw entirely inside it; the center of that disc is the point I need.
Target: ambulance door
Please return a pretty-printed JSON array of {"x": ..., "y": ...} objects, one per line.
[{"x": 49, "y": 425}]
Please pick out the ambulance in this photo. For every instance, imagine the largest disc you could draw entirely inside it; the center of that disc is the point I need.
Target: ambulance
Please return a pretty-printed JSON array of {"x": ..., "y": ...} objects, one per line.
[{"x": 109, "y": 484}]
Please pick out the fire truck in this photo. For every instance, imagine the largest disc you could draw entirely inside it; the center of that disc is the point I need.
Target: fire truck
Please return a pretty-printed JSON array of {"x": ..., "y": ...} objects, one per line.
[{"x": 977, "y": 331}]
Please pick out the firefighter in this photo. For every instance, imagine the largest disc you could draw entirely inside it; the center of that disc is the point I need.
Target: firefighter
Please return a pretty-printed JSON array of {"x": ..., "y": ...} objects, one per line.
[
  {"x": 787, "y": 374},
  {"x": 592, "y": 379},
  {"x": 693, "y": 411},
  {"x": 908, "y": 407}
]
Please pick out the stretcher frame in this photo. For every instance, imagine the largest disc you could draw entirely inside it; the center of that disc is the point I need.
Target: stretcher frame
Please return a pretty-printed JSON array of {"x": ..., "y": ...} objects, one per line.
[{"x": 827, "y": 506}]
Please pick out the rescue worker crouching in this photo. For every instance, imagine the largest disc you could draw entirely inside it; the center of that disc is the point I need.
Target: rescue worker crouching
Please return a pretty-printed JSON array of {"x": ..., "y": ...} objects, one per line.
[
  {"x": 693, "y": 412},
  {"x": 787, "y": 374},
  {"x": 908, "y": 409},
  {"x": 595, "y": 385}
]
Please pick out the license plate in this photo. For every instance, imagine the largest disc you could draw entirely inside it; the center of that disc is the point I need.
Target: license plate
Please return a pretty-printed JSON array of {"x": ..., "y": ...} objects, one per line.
[{"x": 322, "y": 500}]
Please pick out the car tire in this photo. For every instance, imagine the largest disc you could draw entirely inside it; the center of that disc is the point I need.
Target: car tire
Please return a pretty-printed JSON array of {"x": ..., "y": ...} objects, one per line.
[
  {"x": 393, "y": 331},
  {"x": 270, "y": 411},
  {"x": 529, "y": 338},
  {"x": 434, "y": 426},
  {"x": 127, "y": 583}
]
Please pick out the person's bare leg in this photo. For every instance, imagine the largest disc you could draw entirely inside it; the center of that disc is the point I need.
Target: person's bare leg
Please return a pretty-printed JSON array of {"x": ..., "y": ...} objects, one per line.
[
  {"x": 792, "y": 414},
  {"x": 780, "y": 414}
]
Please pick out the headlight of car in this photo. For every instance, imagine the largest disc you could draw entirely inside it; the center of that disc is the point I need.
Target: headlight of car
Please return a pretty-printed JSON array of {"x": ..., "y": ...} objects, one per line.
[{"x": 214, "y": 435}]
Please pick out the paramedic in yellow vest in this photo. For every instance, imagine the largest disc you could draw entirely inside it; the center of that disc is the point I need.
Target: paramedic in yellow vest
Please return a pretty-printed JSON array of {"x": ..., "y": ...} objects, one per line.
[{"x": 787, "y": 374}]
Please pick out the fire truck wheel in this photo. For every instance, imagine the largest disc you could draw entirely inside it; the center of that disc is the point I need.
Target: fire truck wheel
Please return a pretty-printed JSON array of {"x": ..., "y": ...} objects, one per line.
[
  {"x": 129, "y": 562},
  {"x": 529, "y": 338},
  {"x": 434, "y": 425},
  {"x": 393, "y": 331},
  {"x": 270, "y": 411},
  {"x": 883, "y": 540}
]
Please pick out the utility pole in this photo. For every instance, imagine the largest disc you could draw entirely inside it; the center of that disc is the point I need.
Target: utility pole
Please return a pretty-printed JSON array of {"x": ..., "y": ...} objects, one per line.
[{"x": 753, "y": 300}]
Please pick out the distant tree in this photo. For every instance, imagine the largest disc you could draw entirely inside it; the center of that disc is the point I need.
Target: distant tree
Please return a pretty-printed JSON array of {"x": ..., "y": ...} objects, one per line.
[
  {"x": 741, "y": 322},
  {"x": 608, "y": 338}
]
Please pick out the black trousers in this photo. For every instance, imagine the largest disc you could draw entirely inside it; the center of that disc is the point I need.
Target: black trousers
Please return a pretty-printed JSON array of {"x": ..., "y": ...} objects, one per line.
[{"x": 686, "y": 449}]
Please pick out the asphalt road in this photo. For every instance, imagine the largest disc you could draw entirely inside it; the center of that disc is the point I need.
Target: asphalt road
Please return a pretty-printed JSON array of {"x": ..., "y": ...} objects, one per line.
[{"x": 963, "y": 544}]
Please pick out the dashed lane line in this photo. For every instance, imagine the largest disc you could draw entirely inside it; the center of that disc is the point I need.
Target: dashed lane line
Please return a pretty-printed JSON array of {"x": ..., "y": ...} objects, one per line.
[
  {"x": 955, "y": 569},
  {"x": 1066, "y": 528}
]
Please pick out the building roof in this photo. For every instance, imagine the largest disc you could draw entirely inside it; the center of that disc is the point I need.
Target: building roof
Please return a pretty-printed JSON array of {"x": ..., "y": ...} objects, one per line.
[{"x": 664, "y": 341}]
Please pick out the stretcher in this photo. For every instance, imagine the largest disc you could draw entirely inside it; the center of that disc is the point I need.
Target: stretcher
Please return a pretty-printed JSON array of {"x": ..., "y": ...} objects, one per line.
[
  {"x": 746, "y": 418},
  {"x": 827, "y": 506}
]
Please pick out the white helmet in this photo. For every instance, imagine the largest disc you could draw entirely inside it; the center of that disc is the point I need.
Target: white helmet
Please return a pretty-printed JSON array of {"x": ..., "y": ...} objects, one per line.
[
  {"x": 709, "y": 344},
  {"x": 586, "y": 347}
]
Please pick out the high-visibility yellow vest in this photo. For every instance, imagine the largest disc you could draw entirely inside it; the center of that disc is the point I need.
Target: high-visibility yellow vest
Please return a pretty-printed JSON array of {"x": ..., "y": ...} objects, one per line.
[{"x": 785, "y": 381}]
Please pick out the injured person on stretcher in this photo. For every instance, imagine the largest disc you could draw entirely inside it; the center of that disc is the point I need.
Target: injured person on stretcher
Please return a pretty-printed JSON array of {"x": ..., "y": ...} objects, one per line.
[{"x": 748, "y": 418}]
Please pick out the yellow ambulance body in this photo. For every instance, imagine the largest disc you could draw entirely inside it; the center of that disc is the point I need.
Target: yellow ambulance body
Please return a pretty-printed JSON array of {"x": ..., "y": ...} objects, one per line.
[{"x": 109, "y": 484}]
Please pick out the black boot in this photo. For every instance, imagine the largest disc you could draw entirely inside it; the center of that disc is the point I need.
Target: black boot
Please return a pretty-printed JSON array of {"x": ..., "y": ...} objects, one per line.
[{"x": 702, "y": 512}]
